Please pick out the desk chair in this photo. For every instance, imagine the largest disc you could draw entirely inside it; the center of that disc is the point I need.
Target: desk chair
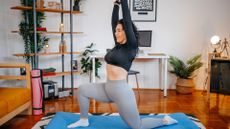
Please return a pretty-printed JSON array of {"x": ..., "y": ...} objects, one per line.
[{"x": 132, "y": 72}]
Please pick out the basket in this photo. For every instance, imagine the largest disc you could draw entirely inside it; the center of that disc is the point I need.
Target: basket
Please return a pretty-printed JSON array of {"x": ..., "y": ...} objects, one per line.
[{"x": 185, "y": 86}]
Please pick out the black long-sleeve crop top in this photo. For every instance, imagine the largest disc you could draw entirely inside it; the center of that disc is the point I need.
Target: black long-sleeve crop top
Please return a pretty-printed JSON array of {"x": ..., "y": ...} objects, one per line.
[{"x": 122, "y": 55}]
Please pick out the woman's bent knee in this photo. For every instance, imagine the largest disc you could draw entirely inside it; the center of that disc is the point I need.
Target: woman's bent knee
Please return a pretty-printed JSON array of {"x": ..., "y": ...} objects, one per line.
[{"x": 82, "y": 89}]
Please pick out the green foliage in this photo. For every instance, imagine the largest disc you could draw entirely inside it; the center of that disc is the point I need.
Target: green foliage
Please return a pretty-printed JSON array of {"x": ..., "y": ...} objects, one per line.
[
  {"x": 26, "y": 28},
  {"x": 86, "y": 62},
  {"x": 183, "y": 70}
]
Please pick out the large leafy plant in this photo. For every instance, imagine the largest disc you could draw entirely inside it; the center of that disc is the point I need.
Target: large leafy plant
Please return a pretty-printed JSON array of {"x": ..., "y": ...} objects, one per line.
[
  {"x": 26, "y": 28},
  {"x": 185, "y": 70},
  {"x": 86, "y": 62}
]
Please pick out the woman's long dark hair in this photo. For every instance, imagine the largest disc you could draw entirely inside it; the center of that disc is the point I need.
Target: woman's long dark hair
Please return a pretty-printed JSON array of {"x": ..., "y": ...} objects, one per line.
[{"x": 121, "y": 21}]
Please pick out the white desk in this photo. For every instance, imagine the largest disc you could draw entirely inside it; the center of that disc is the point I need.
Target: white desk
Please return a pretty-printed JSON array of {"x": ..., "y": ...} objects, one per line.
[{"x": 163, "y": 59}]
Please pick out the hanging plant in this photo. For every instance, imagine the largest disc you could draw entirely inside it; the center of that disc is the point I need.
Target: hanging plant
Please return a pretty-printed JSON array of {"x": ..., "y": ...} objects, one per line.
[{"x": 26, "y": 30}]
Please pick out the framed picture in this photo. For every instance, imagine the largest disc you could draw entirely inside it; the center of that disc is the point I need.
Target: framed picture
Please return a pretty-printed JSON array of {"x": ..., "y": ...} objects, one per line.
[{"x": 143, "y": 10}]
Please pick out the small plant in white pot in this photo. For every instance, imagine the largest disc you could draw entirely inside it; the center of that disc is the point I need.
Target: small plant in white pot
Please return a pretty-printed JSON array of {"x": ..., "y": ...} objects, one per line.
[{"x": 185, "y": 73}]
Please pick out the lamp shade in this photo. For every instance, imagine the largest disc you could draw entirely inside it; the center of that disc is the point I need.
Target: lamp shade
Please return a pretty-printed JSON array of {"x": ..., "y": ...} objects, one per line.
[{"x": 215, "y": 39}]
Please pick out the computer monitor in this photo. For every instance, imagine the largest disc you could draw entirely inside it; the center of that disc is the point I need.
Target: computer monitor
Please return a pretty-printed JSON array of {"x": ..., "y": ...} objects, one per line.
[
  {"x": 145, "y": 38},
  {"x": 144, "y": 41}
]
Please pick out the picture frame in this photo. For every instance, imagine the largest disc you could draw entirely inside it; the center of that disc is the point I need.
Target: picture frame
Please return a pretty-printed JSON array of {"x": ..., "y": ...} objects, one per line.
[{"x": 143, "y": 10}]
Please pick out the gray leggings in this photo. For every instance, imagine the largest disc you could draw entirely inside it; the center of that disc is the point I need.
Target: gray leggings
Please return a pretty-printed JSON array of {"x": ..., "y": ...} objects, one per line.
[{"x": 120, "y": 93}]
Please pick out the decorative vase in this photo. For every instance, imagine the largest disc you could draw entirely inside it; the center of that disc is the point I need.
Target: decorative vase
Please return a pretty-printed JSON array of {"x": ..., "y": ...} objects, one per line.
[
  {"x": 185, "y": 86},
  {"x": 40, "y": 3},
  {"x": 76, "y": 6},
  {"x": 62, "y": 47}
]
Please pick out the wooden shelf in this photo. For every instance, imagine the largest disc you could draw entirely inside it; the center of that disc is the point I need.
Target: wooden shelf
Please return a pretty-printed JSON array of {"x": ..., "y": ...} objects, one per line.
[
  {"x": 47, "y": 54},
  {"x": 61, "y": 74},
  {"x": 50, "y": 32},
  {"x": 53, "y": 32},
  {"x": 14, "y": 65},
  {"x": 7, "y": 77},
  {"x": 45, "y": 10}
]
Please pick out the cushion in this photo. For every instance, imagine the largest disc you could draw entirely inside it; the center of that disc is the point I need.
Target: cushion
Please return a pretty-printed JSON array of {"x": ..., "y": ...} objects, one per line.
[
  {"x": 3, "y": 108},
  {"x": 14, "y": 97}
]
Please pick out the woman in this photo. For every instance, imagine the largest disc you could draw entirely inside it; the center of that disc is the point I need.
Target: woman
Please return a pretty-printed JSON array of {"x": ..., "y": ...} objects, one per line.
[{"x": 116, "y": 89}]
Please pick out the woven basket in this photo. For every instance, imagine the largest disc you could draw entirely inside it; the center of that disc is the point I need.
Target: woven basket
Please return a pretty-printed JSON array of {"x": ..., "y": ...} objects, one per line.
[{"x": 185, "y": 86}]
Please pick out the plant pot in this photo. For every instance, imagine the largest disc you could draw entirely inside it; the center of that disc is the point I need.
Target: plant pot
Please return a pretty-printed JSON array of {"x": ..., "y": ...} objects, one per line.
[
  {"x": 40, "y": 3},
  {"x": 185, "y": 86},
  {"x": 76, "y": 8}
]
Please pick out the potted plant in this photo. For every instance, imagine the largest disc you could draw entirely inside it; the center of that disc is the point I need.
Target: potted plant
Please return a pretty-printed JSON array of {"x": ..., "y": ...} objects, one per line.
[
  {"x": 86, "y": 62},
  {"x": 76, "y": 6},
  {"x": 26, "y": 31},
  {"x": 185, "y": 73}
]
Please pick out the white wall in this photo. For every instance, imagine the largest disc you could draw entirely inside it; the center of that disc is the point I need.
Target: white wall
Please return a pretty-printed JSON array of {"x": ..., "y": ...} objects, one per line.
[{"x": 183, "y": 29}]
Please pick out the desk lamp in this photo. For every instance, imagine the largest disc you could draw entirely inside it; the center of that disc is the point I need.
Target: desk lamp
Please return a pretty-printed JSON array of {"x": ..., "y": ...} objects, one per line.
[{"x": 216, "y": 43}]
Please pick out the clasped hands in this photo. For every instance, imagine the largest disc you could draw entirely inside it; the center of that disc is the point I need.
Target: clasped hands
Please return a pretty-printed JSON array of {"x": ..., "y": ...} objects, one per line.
[{"x": 117, "y": 2}]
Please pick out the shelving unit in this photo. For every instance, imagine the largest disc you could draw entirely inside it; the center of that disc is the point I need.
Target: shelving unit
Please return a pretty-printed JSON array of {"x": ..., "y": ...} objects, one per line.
[
  {"x": 63, "y": 73},
  {"x": 51, "y": 32},
  {"x": 47, "y": 54},
  {"x": 56, "y": 74},
  {"x": 45, "y": 10}
]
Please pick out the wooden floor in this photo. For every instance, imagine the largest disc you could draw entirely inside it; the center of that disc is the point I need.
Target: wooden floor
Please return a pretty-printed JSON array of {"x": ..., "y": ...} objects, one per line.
[{"x": 214, "y": 115}]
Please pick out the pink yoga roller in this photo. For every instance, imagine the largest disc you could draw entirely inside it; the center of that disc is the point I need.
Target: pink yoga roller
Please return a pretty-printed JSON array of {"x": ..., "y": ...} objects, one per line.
[{"x": 37, "y": 91}]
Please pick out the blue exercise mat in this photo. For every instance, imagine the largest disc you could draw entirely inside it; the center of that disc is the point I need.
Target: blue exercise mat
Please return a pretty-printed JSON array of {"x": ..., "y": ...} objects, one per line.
[{"x": 62, "y": 119}]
